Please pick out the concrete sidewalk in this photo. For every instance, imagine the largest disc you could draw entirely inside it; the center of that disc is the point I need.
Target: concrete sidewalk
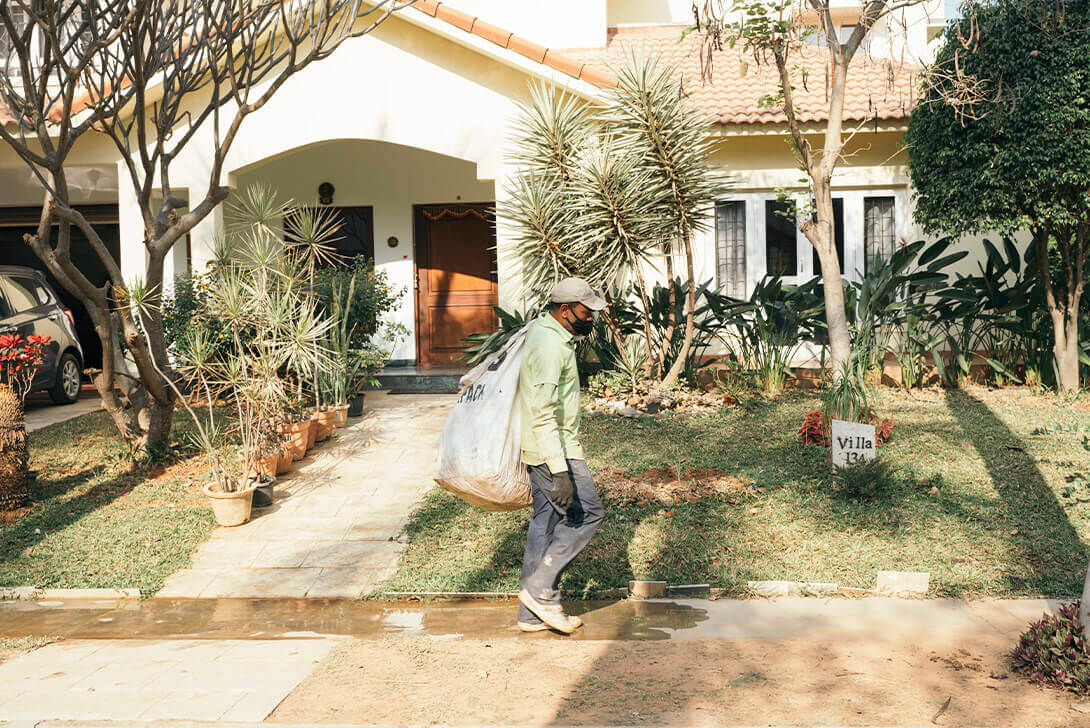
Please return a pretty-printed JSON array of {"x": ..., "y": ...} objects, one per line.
[
  {"x": 39, "y": 412},
  {"x": 331, "y": 532},
  {"x": 206, "y": 678}
]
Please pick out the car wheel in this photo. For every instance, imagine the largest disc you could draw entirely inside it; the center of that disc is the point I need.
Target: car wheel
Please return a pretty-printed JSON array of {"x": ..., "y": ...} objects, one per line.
[{"x": 67, "y": 388}]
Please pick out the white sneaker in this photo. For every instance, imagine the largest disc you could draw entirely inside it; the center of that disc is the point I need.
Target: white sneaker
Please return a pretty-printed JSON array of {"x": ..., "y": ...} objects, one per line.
[
  {"x": 551, "y": 614},
  {"x": 533, "y": 627}
]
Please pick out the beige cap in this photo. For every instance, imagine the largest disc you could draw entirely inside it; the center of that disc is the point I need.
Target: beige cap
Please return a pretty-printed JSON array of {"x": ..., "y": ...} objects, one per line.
[{"x": 576, "y": 290}]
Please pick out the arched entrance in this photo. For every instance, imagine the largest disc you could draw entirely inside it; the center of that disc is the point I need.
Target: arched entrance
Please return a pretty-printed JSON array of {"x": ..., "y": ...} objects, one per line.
[{"x": 424, "y": 218}]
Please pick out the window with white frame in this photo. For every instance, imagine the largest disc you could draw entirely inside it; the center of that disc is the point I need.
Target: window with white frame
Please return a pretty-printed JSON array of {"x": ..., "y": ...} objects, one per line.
[
  {"x": 781, "y": 245},
  {"x": 757, "y": 234},
  {"x": 879, "y": 229},
  {"x": 730, "y": 247}
]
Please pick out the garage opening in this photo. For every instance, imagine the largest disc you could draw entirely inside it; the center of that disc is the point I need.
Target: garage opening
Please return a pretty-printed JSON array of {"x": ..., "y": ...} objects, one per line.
[{"x": 18, "y": 221}]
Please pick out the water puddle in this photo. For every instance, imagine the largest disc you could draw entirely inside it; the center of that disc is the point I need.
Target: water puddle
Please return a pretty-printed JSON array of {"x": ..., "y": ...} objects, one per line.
[{"x": 290, "y": 618}]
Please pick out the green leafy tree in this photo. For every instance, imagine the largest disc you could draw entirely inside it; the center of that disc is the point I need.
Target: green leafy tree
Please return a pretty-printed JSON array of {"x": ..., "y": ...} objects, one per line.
[{"x": 1000, "y": 140}]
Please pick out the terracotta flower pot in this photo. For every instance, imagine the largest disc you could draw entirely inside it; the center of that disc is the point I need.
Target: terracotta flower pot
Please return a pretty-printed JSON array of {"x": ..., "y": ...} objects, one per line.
[
  {"x": 253, "y": 464},
  {"x": 295, "y": 438},
  {"x": 340, "y": 415},
  {"x": 284, "y": 461},
  {"x": 326, "y": 424},
  {"x": 312, "y": 432},
  {"x": 231, "y": 509}
]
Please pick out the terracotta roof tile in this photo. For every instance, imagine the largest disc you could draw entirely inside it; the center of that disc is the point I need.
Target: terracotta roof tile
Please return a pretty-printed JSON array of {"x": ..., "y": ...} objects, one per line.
[
  {"x": 734, "y": 84},
  {"x": 455, "y": 17}
]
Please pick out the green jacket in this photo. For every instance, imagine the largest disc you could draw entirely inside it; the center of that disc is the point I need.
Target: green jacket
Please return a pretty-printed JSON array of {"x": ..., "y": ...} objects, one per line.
[{"x": 549, "y": 396}]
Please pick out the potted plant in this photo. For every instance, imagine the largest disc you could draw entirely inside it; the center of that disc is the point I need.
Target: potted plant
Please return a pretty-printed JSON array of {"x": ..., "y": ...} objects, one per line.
[{"x": 275, "y": 333}]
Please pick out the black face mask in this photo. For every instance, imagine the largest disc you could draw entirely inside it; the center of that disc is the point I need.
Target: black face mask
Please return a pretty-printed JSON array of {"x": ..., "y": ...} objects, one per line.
[{"x": 581, "y": 327}]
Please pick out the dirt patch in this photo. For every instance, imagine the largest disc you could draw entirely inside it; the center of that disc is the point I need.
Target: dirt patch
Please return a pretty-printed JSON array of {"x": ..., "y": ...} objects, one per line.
[
  {"x": 544, "y": 679},
  {"x": 663, "y": 486}
]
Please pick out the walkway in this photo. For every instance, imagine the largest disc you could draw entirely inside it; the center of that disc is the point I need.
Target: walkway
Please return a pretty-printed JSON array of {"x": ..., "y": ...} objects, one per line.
[
  {"x": 874, "y": 661},
  {"x": 332, "y": 531},
  {"x": 40, "y": 412}
]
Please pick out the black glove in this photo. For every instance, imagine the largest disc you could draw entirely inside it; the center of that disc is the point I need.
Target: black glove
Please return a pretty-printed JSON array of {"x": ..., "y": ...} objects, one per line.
[{"x": 562, "y": 491}]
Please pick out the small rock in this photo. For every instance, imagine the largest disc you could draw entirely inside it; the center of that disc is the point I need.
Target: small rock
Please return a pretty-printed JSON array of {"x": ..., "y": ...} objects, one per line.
[
  {"x": 629, "y": 412},
  {"x": 934, "y": 490}
]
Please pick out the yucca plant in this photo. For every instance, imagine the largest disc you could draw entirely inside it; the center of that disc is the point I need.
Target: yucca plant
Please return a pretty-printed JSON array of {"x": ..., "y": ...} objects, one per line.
[
  {"x": 278, "y": 336},
  {"x": 610, "y": 193}
]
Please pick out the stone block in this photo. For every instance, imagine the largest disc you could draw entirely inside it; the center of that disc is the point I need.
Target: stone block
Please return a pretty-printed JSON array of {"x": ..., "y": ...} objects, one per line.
[
  {"x": 647, "y": 589},
  {"x": 775, "y": 588},
  {"x": 903, "y": 582}
]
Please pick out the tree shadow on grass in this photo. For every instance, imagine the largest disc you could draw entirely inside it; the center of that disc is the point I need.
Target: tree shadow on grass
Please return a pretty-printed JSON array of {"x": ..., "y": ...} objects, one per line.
[
  {"x": 52, "y": 512},
  {"x": 1045, "y": 536}
]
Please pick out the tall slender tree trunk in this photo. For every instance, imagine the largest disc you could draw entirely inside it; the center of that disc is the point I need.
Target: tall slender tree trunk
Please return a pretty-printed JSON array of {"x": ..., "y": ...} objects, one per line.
[
  {"x": 1063, "y": 306},
  {"x": 821, "y": 236},
  {"x": 690, "y": 314},
  {"x": 1065, "y": 324}
]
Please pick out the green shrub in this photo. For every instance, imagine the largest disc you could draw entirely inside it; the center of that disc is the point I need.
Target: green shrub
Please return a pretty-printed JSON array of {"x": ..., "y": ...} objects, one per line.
[
  {"x": 1054, "y": 651},
  {"x": 609, "y": 383},
  {"x": 868, "y": 480},
  {"x": 186, "y": 307},
  {"x": 373, "y": 297}
]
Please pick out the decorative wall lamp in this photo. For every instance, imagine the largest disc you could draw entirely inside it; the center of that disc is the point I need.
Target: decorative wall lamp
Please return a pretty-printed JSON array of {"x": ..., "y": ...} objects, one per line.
[{"x": 325, "y": 193}]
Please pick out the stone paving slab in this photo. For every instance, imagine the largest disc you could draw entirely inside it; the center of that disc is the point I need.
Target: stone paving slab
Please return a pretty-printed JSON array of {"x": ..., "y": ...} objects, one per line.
[
  {"x": 332, "y": 531},
  {"x": 151, "y": 680}
]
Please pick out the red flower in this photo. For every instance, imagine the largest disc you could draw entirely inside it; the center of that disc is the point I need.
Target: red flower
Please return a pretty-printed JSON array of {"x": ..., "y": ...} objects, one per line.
[
  {"x": 35, "y": 339},
  {"x": 10, "y": 340}
]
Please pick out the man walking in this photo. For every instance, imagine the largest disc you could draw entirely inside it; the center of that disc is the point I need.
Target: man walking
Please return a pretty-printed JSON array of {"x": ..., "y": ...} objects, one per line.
[{"x": 567, "y": 508}]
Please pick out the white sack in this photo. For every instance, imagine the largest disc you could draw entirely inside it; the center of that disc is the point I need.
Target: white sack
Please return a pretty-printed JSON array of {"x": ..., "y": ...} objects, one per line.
[{"x": 480, "y": 448}]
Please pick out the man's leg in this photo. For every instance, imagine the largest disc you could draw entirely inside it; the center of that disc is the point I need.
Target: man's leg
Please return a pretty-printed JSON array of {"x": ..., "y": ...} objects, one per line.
[
  {"x": 539, "y": 535},
  {"x": 569, "y": 536}
]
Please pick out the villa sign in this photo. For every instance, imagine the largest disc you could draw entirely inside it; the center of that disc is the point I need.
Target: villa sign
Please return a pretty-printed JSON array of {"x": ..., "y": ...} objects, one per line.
[{"x": 853, "y": 443}]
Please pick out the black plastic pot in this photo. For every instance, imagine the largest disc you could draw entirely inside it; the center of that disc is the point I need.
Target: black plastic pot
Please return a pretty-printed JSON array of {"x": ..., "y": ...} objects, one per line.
[
  {"x": 355, "y": 406},
  {"x": 263, "y": 493}
]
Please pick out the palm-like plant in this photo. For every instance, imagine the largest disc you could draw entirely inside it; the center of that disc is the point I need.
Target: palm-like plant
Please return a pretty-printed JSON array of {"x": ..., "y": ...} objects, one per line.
[
  {"x": 610, "y": 192},
  {"x": 278, "y": 338}
]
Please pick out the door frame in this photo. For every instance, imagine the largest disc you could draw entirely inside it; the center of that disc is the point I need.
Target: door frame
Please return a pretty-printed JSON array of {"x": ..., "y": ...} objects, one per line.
[{"x": 420, "y": 256}]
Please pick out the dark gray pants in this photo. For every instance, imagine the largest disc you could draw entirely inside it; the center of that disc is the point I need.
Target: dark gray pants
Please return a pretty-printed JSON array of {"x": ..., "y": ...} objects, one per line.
[{"x": 553, "y": 541}]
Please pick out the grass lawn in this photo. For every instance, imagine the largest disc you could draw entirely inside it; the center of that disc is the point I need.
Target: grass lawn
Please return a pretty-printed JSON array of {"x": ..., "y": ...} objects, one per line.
[
  {"x": 1009, "y": 518},
  {"x": 97, "y": 521}
]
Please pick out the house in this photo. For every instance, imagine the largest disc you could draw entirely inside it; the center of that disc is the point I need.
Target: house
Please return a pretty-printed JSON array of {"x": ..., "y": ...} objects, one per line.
[{"x": 402, "y": 131}]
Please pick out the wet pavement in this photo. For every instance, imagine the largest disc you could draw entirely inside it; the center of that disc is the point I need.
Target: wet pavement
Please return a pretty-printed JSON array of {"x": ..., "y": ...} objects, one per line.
[{"x": 265, "y": 619}]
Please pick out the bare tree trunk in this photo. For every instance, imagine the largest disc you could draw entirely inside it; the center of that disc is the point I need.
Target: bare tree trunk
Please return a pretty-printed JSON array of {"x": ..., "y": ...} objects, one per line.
[
  {"x": 821, "y": 236},
  {"x": 1063, "y": 307},
  {"x": 690, "y": 314}
]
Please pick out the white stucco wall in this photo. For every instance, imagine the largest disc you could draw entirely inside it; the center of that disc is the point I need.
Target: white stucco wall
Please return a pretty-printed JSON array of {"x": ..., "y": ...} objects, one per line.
[
  {"x": 649, "y": 12},
  {"x": 388, "y": 178}
]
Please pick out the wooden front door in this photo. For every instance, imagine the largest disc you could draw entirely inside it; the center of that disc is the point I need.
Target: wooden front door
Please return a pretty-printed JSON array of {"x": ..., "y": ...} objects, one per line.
[{"x": 455, "y": 278}]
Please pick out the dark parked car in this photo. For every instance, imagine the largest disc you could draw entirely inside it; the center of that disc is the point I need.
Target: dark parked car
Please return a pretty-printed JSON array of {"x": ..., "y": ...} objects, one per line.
[{"x": 29, "y": 306}]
